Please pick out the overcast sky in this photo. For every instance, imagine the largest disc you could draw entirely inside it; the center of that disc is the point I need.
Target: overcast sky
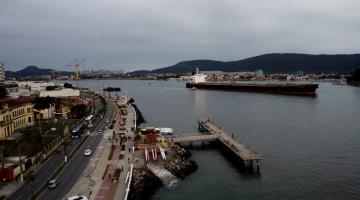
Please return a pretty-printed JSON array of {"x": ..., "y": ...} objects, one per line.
[{"x": 147, "y": 34}]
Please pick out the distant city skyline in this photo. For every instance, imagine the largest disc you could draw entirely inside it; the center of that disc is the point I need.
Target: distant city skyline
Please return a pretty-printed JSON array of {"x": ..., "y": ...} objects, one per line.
[{"x": 135, "y": 35}]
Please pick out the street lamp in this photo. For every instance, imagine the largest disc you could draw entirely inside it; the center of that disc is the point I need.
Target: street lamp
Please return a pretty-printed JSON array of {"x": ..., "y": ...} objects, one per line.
[
  {"x": 63, "y": 134},
  {"x": 20, "y": 161},
  {"x": 41, "y": 135}
]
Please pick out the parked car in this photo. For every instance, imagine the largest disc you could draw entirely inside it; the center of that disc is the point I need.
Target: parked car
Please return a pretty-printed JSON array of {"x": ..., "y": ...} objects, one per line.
[
  {"x": 107, "y": 121},
  {"x": 99, "y": 131},
  {"x": 87, "y": 152},
  {"x": 53, "y": 183},
  {"x": 90, "y": 125},
  {"x": 78, "y": 197}
]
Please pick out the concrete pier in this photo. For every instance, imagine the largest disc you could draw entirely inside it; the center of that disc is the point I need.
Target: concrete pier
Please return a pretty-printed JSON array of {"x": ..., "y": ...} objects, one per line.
[{"x": 212, "y": 132}]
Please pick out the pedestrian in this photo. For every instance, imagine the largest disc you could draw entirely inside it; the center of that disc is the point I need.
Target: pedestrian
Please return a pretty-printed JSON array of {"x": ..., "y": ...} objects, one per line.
[
  {"x": 129, "y": 149},
  {"x": 110, "y": 176}
]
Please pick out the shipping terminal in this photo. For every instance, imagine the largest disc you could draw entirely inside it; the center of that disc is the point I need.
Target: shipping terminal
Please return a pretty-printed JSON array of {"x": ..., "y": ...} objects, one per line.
[{"x": 198, "y": 81}]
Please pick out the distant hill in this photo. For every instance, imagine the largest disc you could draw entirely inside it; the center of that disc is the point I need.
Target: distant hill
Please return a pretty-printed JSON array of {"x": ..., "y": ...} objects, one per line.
[
  {"x": 273, "y": 63},
  {"x": 32, "y": 71}
]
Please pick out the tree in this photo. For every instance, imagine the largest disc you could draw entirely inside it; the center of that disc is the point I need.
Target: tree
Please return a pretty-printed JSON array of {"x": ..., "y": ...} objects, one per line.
[
  {"x": 42, "y": 103},
  {"x": 117, "y": 89},
  {"x": 79, "y": 111},
  {"x": 50, "y": 87},
  {"x": 3, "y": 92},
  {"x": 68, "y": 85},
  {"x": 355, "y": 77},
  {"x": 108, "y": 89}
]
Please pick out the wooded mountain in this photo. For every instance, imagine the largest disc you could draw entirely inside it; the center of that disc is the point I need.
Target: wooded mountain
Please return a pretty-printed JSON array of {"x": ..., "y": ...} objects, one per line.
[
  {"x": 272, "y": 63},
  {"x": 32, "y": 71}
]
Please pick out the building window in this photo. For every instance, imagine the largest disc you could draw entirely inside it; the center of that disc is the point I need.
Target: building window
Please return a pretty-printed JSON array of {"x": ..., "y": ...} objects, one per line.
[{"x": 29, "y": 119}]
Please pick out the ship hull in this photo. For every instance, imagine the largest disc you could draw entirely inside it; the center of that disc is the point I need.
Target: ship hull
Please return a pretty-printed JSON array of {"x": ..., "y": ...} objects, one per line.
[{"x": 306, "y": 89}]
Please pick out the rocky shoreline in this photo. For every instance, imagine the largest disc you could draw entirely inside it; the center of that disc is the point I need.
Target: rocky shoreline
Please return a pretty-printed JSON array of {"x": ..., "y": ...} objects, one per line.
[
  {"x": 181, "y": 166},
  {"x": 144, "y": 184}
]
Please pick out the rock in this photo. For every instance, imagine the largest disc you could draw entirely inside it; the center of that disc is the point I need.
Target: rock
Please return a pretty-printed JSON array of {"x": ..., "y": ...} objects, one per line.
[
  {"x": 181, "y": 168},
  {"x": 144, "y": 184}
]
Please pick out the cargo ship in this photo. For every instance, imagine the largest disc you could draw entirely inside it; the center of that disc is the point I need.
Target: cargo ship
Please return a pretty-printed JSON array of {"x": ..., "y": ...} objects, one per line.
[{"x": 198, "y": 81}]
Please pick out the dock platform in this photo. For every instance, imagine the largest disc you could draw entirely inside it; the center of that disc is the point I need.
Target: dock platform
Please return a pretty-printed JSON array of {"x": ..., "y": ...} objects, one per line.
[{"x": 213, "y": 132}]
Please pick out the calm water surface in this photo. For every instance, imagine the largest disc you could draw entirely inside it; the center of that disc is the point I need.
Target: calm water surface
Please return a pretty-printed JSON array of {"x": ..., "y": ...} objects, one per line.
[{"x": 311, "y": 146}]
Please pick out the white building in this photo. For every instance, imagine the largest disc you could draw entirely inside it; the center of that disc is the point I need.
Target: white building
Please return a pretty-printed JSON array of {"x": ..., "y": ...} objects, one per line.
[
  {"x": 62, "y": 93},
  {"x": 35, "y": 85}
]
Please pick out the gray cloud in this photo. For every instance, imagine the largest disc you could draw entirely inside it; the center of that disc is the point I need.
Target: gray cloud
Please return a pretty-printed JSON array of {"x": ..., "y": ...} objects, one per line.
[{"x": 147, "y": 34}]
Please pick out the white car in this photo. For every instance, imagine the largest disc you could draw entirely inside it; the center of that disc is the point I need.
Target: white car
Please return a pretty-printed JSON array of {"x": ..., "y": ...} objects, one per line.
[
  {"x": 99, "y": 131},
  {"x": 87, "y": 152},
  {"x": 107, "y": 121},
  {"x": 77, "y": 198},
  {"x": 90, "y": 125}
]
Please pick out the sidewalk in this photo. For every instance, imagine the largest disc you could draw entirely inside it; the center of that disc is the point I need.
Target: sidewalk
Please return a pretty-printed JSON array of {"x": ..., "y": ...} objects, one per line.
[
  {"x": 122, "y": 186},
  {"x": 108, "y": 188}
]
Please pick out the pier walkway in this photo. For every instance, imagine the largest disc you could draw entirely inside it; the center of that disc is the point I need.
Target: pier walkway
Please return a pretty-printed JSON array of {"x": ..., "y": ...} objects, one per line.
[
  {"x": 214, "y": 132},
  {"x": 194, "y": 138}
]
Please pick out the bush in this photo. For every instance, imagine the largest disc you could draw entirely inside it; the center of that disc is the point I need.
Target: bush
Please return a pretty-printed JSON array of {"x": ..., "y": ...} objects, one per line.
[
  {"x": 117, "y": 173},
  {"x": 106, "y": 169}
]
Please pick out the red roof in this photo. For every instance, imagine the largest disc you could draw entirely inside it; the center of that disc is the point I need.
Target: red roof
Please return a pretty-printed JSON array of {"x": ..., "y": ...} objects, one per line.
[
  {"x": 16, "y": 102},
  {"x": 151, "y": 138}
]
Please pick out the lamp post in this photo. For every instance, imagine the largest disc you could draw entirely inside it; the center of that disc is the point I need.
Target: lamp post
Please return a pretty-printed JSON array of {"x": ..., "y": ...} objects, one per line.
[
  {"x": 20, "y": 161},
  {"x": 41, "y": 135},
  {"x": 2, "y": 155},
  {"x": 63, "y": 134}
]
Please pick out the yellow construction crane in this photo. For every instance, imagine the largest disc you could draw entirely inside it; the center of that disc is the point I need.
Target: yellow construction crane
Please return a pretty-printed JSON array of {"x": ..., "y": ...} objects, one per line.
[{"x": 76, "y": 63}]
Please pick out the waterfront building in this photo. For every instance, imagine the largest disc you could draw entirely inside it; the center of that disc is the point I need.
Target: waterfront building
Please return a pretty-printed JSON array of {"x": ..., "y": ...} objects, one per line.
[
  {"x": 61, "y": 93},
  {"x": 15, "y": 114},
  {"x": 35, "y": 85}
]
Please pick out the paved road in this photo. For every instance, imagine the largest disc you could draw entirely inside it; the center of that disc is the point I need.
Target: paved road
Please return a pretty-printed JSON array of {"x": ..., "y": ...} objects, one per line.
[
  {"x": 43, "y": 174},
  {"x": 70, "y": 174}
]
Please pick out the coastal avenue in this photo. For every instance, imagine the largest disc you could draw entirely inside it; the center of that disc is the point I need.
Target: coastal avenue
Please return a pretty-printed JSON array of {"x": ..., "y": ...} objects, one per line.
[
  {"x": 69, "y": 175},
  {"x": 45, "y": 171}
]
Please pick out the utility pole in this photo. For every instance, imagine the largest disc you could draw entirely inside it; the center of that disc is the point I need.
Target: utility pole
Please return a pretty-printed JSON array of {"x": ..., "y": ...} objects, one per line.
[
  {"x": 2, "y": 155},
  {"x": 42, "y": 137},
  {"x": 20, "y": 161}
]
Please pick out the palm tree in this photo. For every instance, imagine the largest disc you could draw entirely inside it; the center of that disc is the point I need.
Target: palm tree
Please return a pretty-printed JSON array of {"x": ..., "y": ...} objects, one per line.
[
  {"x": 117, "y": 89},
  {"x": 109, "y": 89}
]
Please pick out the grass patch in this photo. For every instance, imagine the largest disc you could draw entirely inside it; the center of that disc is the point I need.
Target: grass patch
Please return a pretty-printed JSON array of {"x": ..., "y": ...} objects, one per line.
[
  {"x": 111, "y": 152},
  {"x": 106, "y": 169},
  {"x": 31, "y": 141}
]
